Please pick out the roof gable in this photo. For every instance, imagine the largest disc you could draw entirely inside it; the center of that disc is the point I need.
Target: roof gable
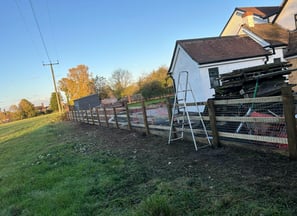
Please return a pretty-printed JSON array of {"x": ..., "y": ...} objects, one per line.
[
  {"x": 262, "y": 12},
  {"x": 218, "y": 49}
]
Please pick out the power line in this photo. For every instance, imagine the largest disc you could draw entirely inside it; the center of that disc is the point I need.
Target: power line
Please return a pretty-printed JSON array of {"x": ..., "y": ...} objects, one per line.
[
  {"x": 40, "y": 33},
  {"x": 27, "y": 29}
]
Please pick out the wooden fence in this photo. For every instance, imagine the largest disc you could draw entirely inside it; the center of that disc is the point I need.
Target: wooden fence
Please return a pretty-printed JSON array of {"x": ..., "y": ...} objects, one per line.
[{"x": 266, "y": 121}]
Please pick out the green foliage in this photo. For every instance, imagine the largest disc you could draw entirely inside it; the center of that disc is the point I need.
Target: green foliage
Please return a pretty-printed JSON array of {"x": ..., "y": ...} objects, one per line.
[
  {"x": 152, "y": 89},
  {"x": 26, "y": 109},
  {"x": 53, "y": 101},
  {"x": 155, "y": 84}
]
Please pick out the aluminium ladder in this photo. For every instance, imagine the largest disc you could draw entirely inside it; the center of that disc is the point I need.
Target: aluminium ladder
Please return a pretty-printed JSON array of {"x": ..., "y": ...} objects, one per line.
[{"x": 180, "y": 111}]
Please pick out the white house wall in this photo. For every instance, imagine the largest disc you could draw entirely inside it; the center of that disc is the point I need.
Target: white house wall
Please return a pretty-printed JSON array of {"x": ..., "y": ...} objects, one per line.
[
  {"x": 199, "y": 76},
  {"x": 184, "y": 62},
  {"x": 287, "y": 16},
  {"x": 278, "y": 53}
]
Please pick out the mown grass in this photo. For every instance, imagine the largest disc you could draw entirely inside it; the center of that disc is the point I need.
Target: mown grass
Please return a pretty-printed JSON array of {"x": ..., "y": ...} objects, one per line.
[{"x": 47, "y": 168}]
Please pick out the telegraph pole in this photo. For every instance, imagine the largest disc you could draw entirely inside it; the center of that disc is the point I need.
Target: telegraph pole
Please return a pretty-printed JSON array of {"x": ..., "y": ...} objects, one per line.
[{"x": 54, "y": 80}]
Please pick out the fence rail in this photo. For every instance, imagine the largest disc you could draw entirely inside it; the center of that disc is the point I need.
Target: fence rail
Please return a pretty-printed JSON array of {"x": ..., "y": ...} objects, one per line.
[{"x": 265, "y": 121}]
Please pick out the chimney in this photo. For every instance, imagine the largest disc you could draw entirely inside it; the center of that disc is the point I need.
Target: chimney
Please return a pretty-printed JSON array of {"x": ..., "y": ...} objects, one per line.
[{"x": 248, "y": 18}]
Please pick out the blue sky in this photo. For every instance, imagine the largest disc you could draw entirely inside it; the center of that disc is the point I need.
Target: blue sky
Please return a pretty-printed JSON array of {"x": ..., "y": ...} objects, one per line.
[{"x": 134, "y": 35}]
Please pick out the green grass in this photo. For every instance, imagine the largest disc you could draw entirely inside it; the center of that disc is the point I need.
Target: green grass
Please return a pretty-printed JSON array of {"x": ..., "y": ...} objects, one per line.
[{"x": 49, "y": 168}]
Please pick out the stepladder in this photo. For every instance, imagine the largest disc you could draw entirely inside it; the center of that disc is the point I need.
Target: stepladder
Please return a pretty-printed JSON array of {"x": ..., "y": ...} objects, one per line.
[{"x": 183, "y": 115}]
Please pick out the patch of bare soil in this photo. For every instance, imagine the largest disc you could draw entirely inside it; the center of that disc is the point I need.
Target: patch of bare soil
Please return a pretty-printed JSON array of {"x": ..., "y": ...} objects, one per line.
[{"x": 267, "y": 173}]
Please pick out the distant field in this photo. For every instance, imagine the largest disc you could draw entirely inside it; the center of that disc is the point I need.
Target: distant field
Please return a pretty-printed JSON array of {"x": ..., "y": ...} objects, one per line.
[{"x": 51, "y": 167}]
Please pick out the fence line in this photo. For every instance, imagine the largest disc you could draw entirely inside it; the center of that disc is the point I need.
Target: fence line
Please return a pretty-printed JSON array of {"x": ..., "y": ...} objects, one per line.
[{"x": 268, "y": 121}]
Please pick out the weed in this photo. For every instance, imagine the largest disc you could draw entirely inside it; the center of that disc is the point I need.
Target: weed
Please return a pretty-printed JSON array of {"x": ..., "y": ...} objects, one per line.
[{"x": 156, "y": 205}]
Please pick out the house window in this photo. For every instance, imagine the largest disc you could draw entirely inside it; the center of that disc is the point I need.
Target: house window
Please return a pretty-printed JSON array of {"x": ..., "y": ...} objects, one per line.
[
  {"x": 214, "y": 77},
  {"x": 277, "y": 60}
]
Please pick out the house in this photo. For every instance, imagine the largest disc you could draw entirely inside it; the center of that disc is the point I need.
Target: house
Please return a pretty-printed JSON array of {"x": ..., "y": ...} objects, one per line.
[
  {"x": 272, "y": 27},
  {"x": 243, "y": 15},
  {"x": 206, "y": 58},
  {"x": 287, "y": 16},
  {"x": 291, "y": 56},
  {"x": 252, "y": 36}
]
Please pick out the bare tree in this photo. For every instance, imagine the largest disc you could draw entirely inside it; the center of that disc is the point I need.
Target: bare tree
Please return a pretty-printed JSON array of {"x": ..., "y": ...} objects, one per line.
[{"x": 119, "y": 81}]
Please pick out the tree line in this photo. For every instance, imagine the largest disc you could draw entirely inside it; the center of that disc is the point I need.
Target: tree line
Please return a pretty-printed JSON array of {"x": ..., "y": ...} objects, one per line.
[
  {"x": 80, "y": 82},
  {"x": 25, "y": 109}
]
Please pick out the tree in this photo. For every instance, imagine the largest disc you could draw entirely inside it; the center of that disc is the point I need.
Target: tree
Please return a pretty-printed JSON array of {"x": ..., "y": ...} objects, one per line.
[
  {"x": 119, "y": 81},
  {"x": 53, "y": 101},
  {"x": 79, "y": 83},
  {"x": 26, "y": 109},
  {"x": 102, "y": 87},
  {"x": 155, "y": 83},
  {"x": 152, "y": 89},
  {"x": 14, "y": 113}
]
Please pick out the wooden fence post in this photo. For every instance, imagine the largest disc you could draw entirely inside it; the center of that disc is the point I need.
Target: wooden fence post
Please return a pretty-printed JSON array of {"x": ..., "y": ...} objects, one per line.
[
  {"x": 106, "y": 119},
  {"x": 289, "y": 112},
  {"x": 169, "y": 109},
  {"x": 98, "y": 116},
  {"x": 213, "y": 123},
  {"x": 87, "y": 115},
  {"x": 115, "y": 116},
  {"x": 79, "y": 115},
  {"x": 128, "y": 116},
  {"x": 92, "y": 117},
  {"x": 145, "y": 122}
]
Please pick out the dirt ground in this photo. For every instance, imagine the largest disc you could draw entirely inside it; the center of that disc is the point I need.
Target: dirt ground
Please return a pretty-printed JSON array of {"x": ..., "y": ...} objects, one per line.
[{"x": 268, "y": 173}]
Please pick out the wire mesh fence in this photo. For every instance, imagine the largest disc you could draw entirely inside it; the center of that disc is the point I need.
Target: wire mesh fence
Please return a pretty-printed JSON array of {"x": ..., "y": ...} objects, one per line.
[{"x": 256, "y": 121}]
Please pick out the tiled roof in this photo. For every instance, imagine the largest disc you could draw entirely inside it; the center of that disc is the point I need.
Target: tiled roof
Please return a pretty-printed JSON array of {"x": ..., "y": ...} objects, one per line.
[
  {"x": 263, "y": 12},
  {"x": 272, "y": 33},
  {"x": 292, "y": 47},
  {"x": 218, "y": 49}
]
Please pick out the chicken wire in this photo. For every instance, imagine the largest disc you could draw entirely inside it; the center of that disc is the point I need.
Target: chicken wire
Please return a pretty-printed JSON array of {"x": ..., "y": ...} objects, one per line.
[{"x": 260, "y": 123}]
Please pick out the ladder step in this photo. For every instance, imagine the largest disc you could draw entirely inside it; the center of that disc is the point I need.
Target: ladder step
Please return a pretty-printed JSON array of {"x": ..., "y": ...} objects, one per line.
[
  {"x": 186, "y": 90},
  {"x": 178, "y": 138}
]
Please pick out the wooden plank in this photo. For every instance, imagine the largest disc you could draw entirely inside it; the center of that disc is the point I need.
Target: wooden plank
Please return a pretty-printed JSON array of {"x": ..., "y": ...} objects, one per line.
[
  {"x": 289, "y": 112},
  {"x": 273, "y": 99},
  {"x": 213, "y": 122},
  {"x": 115, "y": 117},
  {"x": 128, "y": 117},
  {"x": 105, "y": 115},
  {"x": 147, "y": 130},
  {"x": 98, "y": 116},
  {"x": 251, "y": 119},
  {"x": 269, "y": 139}
]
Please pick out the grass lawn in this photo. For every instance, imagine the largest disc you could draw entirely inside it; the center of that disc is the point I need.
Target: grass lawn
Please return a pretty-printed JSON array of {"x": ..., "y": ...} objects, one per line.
[{"x": 51, "y": 167}]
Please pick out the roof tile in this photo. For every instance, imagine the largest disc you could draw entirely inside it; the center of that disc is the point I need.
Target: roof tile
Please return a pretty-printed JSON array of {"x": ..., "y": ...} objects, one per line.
[{"x": 217, "y": 49}]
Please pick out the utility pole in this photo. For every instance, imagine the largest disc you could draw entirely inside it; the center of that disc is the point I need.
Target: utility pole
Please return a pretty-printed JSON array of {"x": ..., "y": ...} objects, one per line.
[{"x": 54, "y": 80}]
